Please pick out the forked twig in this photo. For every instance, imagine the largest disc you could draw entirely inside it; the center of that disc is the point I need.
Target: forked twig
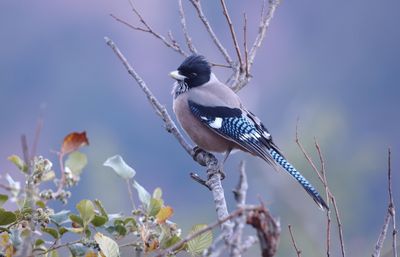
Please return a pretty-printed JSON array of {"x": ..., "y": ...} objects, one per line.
[
  {"x": 196, "y": 4},
  {"x": 390, "y": 215}
]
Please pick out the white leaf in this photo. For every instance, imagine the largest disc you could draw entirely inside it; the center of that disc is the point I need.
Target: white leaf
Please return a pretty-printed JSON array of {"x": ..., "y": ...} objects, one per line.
[
  {"x": 144, "y": 196},
  {"x": 120, "y": 167},
  {"x": 107, "y": 246}
]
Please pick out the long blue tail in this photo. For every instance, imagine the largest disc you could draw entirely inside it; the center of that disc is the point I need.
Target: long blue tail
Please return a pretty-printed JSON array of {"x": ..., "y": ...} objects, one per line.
[{"x": 278, "y": 158}]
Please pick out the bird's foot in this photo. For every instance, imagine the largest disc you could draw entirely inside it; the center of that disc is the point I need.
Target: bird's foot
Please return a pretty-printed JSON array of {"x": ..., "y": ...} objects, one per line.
[{"x": 198, "y": 155}]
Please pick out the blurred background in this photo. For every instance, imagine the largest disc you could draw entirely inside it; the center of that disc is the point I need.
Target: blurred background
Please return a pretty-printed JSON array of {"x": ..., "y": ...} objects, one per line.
[{"x": 332, "y": 65}]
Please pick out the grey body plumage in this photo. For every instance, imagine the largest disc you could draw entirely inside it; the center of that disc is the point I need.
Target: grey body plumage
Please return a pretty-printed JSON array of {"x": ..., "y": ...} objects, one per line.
[{"x": 215, "y": 119}]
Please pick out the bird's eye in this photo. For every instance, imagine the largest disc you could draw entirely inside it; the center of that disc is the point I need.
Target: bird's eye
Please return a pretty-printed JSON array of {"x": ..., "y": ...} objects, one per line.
[{"x": 194, "y": 74}]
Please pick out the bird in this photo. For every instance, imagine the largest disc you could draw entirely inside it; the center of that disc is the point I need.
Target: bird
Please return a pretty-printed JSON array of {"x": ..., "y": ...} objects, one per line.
[{"x": 213, "y": 116}]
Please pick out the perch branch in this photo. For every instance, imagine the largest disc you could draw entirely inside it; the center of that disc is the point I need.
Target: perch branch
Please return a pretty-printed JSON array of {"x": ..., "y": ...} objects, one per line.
[{"x": 201, "y": 157}]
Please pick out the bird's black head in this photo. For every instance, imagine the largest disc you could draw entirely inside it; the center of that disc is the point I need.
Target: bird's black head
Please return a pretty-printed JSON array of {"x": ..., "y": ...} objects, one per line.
[{"x": 194, "y": 71}]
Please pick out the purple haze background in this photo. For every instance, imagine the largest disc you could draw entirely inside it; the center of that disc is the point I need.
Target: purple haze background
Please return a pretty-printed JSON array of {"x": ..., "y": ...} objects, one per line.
[{"x": 333, "y": 65}]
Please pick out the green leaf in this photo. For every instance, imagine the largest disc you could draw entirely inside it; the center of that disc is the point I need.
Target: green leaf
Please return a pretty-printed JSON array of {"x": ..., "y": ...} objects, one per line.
[
  {"x": 76, "y": 219},
  {"x": 60, "y": 217},
  {"x": 52, "y": 232},
  {"x": 86, "y": 211},
  {"x": 3, "y": 199},
  {"x": 39, "y": 242},
  {"x": 157, "y": 193},
  {"x": 101, "y": 208},
  {"x": 21, "y": 165},
  {"x": 76, "y": 161},
  {"x": 197, "y": 245},
  {"x": 171, "y": 241},
  {"x": 144, "y": 196},
  {"x": 78, "y": 249},
  {"x": 54, "y": 253},
  {"x": 99, "y": 221},
  {"x": 120, "y": 167},
  {"x": 154, "y": 207},
  {"x": 107, "y": 246},
  {"x": 120, "y": 229},
  {"x": 7, "y": 217},
  {"x": 62, "y": 230},
  {"x": 40, "y": 204}
]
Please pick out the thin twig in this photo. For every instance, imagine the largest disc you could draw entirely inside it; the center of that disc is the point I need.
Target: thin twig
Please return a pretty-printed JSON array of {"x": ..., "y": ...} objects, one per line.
[
  {"x": 62, "y": 181},
  {"x": 340, "y": 226},
  {"x": 209, "y": 227},
  {"x": 298, "y": 251},
  {"x": 246, "y": 50},
  {"x": 240, "y": 193},
  {"x": 148, "y": 29},
  {"x": 328, "y": 213},
  {"x": 57, "y": 247},
  {"x": 160, "y": 109},
  {"x": 128, "y": 183},
  {"x": 392, "y": 208},
  {"x": 330, "y": 197},
  {"x": 264, "y": 24},
  {"x": 217, "y": 42},
  {"x": 189, "y": 42},
  {"x": 233, "y": 34},
  {"x": 38, "y": 130}
]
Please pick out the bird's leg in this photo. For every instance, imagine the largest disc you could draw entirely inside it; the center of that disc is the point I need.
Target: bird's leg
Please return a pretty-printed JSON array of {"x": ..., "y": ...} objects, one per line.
[
  {"x": 221, "y": 165},
  {"x": 226, "y": 155}
]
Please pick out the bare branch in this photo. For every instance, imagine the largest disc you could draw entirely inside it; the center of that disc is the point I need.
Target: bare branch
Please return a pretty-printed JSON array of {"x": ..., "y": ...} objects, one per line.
[
  {"x": 340, "y": 226},
  {"x": 298, "y": 251},
  {"x": 233, "y": 34},
  {"x": 217, "y": 42},
  {"x": 201, "y": 157},
  {"x": 392, "y": 208},
  {"x": 268, "y": 230},
  {"x": 264, "y": 24},
  {"x": 209, "y": 227},
  {"x": 330, "y": 197},
  {"x": 390, "y": 215},
  {"x": 240, "y": 196},
  {"x": 147, "y": 29},
  {"x": 188, "y": 39},
  {"x": 382, "y": 236},
  {"x": 246, "y": 51}
]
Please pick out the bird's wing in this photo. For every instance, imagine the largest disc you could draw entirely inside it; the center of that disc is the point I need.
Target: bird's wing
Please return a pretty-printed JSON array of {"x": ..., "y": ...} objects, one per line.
[
  {"x": 246, "y": 130},
  {"x": 237, "y": 125}
]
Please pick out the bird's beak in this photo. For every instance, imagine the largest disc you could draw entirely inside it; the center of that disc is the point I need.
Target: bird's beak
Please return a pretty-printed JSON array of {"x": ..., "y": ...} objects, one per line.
[{"x": 176, "y": 75}]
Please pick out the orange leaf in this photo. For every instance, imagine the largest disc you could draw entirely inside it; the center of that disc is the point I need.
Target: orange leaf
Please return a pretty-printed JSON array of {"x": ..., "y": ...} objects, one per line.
[
  {"x": 164, "y": 214},
  {"x": 73, "y": 142},
  {"x": 91, "y": 254}
]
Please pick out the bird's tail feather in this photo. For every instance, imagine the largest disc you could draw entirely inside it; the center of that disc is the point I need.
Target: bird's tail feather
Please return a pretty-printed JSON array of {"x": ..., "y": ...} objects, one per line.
[{"x": 279, "y": 159}]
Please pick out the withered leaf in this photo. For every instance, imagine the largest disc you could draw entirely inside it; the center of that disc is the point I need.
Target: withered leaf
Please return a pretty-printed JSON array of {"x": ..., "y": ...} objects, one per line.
[{"x": 73, "y": 142}]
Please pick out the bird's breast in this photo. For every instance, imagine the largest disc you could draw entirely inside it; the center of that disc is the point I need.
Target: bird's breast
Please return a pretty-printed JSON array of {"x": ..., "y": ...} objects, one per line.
[{"x": 203, "y": 136}]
